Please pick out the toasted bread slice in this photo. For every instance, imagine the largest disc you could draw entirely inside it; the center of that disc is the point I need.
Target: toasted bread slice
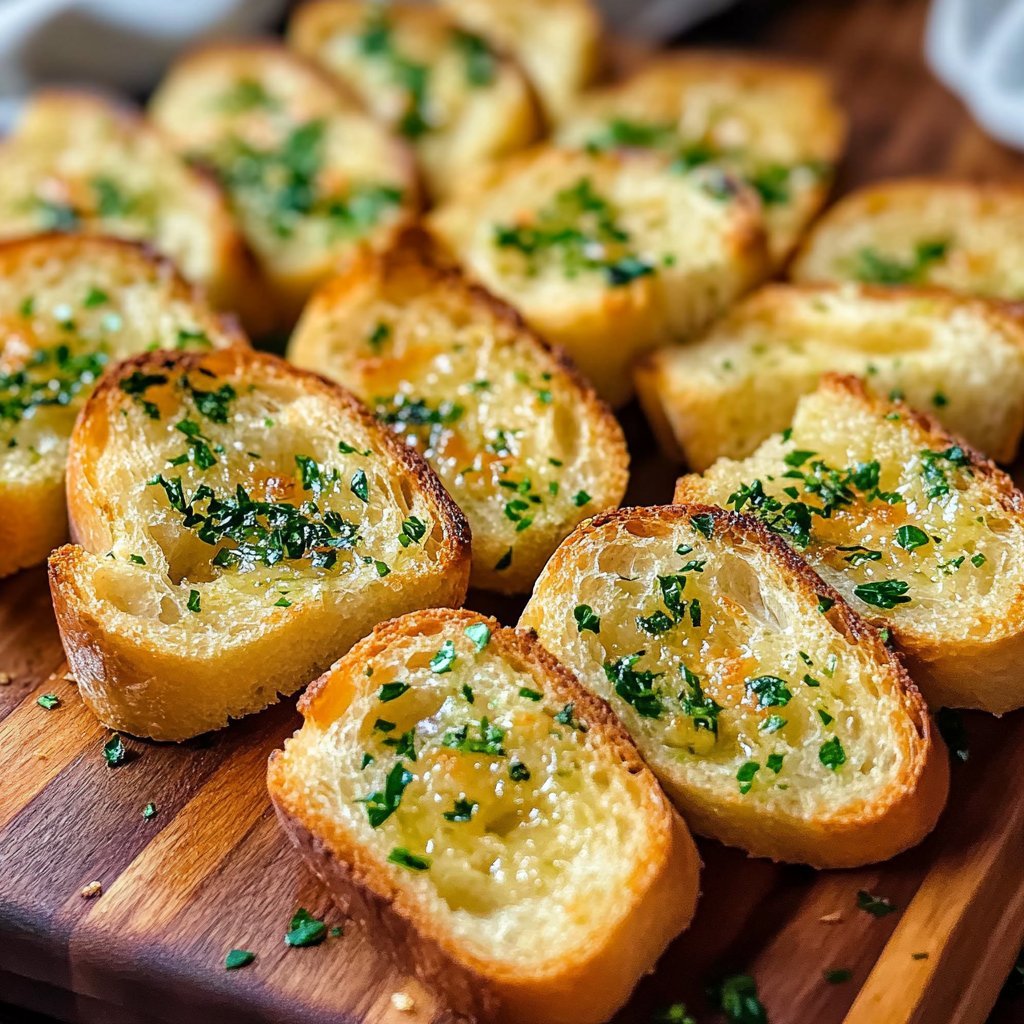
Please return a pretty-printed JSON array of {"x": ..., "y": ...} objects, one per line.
[
  {"x": 739, "y": 383},
  {"x": 239, "y": 525},
  {"x": 607, "y": 254},
  {"x": 78, "y": 162},
  {"x": 774, "y": 124},
  {"x": 309, "y": 174},
  {"x": 921, "y": 534},
  {"x": 442, "y": 87},
  {"x": 459, "y": 791},
  {"x": 69, "y": 305},
  {"x": 522, "y": 443},
  {"x": 558, "y": 42},
  {"x": 774, "y": 716},
  {"x": 958, "y": 235}
]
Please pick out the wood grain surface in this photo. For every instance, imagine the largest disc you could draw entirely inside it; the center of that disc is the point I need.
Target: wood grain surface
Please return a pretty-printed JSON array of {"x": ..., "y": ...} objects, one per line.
[{"x": 211, "y": 871}]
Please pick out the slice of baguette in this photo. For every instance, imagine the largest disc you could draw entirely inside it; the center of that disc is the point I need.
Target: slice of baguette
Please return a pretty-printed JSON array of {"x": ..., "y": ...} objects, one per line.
[
  {"x": 773, "y": 123},
  {"x": 69, "y": 306},
  {"x": 774, "y": 716},
  {"x": 239, "y": 525},
  {"x": 739, "y": 384},
  {"x": 522, "y": 443},
  {"x": 869, "y": 493},
  {"x": 461, "y": 794},
  {"x": 607, "y": 254},
  {"x": 309, "y": 174},
  {"x": 78, "y": 162},
  {"x": 558, "y": 42},
  {"x": 959, "y": 235},
  {"x": 459, "y": 102}
]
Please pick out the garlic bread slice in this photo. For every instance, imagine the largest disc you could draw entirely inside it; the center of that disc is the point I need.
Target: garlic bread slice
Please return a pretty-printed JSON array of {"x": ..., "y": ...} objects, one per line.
[
  {"x": 557, "y": 42},
  {"x": 441, "y": 86},
  {"x": 607, "y": 254},
  {"x": 462, "y": 794},
  {"x": 920, "y": 533},
  {"x": 960, "y": 235},
  {"x": 522, "y": 443},
  {"x": 77, "y": 162},
  {"x": 239, "y": 524},
  {"x": 721, "y": 396},
  {"x": 70, "y": 305},
  {"x": 775, "y": 717},
  {"x": 309, "y": 174},
  {"x": 772, "y": 123}
]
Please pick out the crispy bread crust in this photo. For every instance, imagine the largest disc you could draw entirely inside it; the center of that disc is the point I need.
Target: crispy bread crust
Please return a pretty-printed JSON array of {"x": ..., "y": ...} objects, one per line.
[
  {"x": 132, "y": 682},
  {"x": 901, "y": 816},
  {"x": 582, "y": 988}
]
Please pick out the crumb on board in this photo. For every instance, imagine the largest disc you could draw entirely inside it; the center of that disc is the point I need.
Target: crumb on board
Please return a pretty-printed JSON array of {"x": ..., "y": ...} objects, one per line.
[
  {"x": 6, "y": 678},
  {"x": 834, "y": 918},
  {"x": 402, "y": 1002},
  {"x": 68, "y": 677},
  {"x": 91, "y": 890}
]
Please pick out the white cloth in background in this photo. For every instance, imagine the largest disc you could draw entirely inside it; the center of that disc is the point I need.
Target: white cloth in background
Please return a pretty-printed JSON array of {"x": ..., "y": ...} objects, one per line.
[{"x": 977, "y": 48}]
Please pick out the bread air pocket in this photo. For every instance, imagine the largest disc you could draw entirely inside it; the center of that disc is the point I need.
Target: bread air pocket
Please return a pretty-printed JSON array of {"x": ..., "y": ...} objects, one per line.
[
  {"x": 238, "y": 524},
  {"x": 777, "y": 720},
  {"x": 461, "y": 794}
]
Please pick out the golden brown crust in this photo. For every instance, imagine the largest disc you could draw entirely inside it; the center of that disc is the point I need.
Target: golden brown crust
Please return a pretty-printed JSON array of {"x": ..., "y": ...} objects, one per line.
[
  {"x": 584, "y": 988},
  {"x": 896, "y": 819}
]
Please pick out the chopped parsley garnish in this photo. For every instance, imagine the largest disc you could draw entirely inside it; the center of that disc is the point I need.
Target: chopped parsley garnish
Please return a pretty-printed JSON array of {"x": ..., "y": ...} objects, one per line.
[
  {"x": 304, "y": 929},
  {"x": 380, "y": 805},
  {"x": 115, "y": 753},
  {"x": 697, "y": 705},
  {"x": 488, "y": 742},
  {"x": 831, "y": 754},
  {"x": 824, "y": 604},
  {"x": 934, "y": 473},
  {"x": 565, "y": 717},
  {"x": 518, "y": 772},
  {"x": 873, "y": 267},
  {"x": 525, "y": 691},
  {"x": 380, "y": 333},
  {"x": 194, "y": 604},
  {"x": 635, "y": 688},
  {"x": 837, "y": 975},
  {"x": 462, "y": 811},
  {"x": 674, "y": 1014},
  {"x": 392, "y": 691},
  {"x": 49, "y": 701},
  {"x": 403, "y": 858},
  {"x": 771, "y": 691},
  {"x": 774, "y": 762},
  {"x": 586, "y": 619},
  {"x": 137, "y": 384},
  {"x": 504, "y": 562},
  {"x": 736, "y": 997},
  {"x": 359, "y": 485},
  {"x": 877, "y": 906},
  {"x": 416, "y": 419},
  {"x": 149, "y": 811},
  {"x": 413, "y": 531},
  {"x": 745, "y": 775},
  {"x": 480, "y": 64},
  {"x": 703, "y": 523},
  {"x": 479, "y": 633},
  {"x": 883, "y": 593},
  {"x": 581, "y": 498},
  {"x": 620, "y": 132},
  {"x": 238, "y": 958},
  {"x": 443, "y": 660},
  {"x": 910, "y": 537}
]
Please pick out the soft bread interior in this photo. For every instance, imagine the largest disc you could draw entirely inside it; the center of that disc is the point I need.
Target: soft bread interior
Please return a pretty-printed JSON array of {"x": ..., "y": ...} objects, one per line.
[
  {"x": 774, "y": 125},
  {"x": 961, "y": 359},
  {"x": 651, "y": 255},
  {"x": 950, "y": 234},
  {"x": 764, "y": 716},
  {"x": 525, "y": 449},
  {"x": 310, "y": 176}
]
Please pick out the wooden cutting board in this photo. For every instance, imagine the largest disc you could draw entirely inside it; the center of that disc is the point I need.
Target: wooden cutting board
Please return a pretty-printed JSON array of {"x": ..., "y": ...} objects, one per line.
[{"x": 211, "y": 871}]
